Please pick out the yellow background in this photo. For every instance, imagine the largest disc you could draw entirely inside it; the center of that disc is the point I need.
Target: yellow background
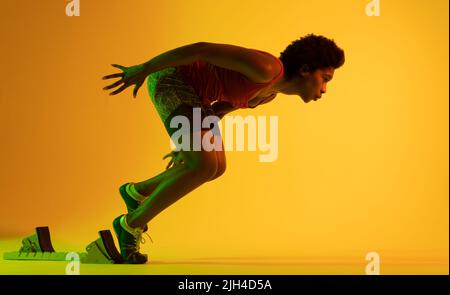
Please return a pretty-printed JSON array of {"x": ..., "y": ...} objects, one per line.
[{"x": 364, "y": 169}]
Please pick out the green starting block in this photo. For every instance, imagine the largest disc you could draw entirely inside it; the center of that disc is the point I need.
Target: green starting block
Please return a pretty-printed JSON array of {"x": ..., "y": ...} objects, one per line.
[
  {"x": 102, "y": 250},
  {"x": 39, "y": 247}
]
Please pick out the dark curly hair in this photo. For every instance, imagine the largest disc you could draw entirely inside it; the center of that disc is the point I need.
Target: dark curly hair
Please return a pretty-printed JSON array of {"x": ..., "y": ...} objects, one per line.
[{"x": 314, "y": 51}]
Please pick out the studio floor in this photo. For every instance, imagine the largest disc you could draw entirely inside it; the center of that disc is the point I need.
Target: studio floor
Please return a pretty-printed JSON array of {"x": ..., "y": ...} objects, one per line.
[{"x": 219, "y": 265}]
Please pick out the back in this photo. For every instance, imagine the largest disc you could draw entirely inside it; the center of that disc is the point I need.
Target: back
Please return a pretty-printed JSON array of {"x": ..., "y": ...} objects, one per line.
[{"x": 213, "y": 83}]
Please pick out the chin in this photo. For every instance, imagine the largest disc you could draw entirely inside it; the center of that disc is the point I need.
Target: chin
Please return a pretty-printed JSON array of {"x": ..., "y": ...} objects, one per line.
[{"x": 305, "y": 100}]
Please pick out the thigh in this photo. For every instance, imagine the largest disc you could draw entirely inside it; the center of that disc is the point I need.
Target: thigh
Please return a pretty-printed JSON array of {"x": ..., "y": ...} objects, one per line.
[{"x": 172, "y": 96}]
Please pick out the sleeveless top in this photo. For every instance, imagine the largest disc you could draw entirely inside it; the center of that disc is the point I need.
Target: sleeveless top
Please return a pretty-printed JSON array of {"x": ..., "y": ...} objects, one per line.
[{"x": 213, "y": 83}]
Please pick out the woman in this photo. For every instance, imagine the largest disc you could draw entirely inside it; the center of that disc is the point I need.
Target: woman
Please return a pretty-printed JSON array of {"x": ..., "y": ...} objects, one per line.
[{"x": 216, "y": 79}]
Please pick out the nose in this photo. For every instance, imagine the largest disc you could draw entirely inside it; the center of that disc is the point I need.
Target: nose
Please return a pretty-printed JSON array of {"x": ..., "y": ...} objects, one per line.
[{"x": 324, "y": 88}]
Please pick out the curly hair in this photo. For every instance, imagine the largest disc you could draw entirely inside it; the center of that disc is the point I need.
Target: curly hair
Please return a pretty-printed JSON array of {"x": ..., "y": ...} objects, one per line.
[{"x": 314, "y": 51}]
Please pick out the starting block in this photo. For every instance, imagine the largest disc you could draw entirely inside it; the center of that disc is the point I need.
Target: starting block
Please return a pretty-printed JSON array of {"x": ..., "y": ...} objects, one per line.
[
  {"x": 102, "y": 250},
  {"x": 39, "y": 247}
]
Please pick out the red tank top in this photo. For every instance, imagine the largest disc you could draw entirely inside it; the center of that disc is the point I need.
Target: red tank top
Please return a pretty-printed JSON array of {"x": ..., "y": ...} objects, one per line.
[{"x": 213, "y": 83}]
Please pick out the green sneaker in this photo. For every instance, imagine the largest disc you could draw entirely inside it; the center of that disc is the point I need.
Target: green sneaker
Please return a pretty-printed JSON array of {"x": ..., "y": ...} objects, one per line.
[
  {"x": 130, "y": 202},
  {"x": 129, "y": 244}
]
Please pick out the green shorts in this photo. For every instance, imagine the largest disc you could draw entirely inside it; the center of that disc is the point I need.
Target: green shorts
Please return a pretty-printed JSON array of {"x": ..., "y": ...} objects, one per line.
[{"x": 172, "y": 95}]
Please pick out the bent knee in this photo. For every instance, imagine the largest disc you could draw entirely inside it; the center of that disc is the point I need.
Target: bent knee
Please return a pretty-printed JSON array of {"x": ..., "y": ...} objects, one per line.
[
  {"x": 221, "y": 165},
  {"x": 220, "y": 171},
  {"x": 202, "y": 164}
]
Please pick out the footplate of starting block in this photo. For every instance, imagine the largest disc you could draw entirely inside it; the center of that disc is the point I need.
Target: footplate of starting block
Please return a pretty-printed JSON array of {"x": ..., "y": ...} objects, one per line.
[
  {"x": 102, "y": 250},
  {"x": 39, "y": 247},
  {"x": 47, "y": 256}
]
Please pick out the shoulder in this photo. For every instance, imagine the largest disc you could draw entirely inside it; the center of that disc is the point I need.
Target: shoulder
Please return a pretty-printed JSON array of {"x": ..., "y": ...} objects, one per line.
[
  {"x": 259, "y": 66},
  {"x": 273, "y": 65}
]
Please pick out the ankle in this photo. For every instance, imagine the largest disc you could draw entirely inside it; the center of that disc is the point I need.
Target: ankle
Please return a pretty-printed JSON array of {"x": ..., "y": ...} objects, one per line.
[
  {"x": 134, "y": 192},
  {"x": 130, "y": 228}
]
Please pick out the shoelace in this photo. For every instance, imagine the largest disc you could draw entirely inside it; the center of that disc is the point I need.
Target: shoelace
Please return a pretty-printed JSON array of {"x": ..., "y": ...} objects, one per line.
[
  {"x": 138, "y": 240},
  {"x": 141, "y": 239}
]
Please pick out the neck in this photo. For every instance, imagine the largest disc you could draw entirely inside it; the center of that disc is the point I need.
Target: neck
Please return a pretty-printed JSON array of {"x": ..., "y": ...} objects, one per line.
[{"x": 282, "y": 86}]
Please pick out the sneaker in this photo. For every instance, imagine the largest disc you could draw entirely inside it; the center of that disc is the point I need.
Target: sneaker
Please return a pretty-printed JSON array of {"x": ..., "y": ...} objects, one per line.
[
  {"x": 129, "y": 244},
  {"x": 130, "y": 202}
]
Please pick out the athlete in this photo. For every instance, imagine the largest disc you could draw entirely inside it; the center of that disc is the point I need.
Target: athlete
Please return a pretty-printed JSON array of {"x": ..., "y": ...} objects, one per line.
[{"x": 216, "y": 79}]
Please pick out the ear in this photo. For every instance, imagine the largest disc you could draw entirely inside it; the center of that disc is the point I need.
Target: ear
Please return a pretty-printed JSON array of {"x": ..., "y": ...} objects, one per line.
[{"x": 304, "y": 71}]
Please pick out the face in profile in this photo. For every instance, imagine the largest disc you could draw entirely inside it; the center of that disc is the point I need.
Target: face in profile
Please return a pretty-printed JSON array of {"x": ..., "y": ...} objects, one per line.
[{"x": 313, "y": 85}]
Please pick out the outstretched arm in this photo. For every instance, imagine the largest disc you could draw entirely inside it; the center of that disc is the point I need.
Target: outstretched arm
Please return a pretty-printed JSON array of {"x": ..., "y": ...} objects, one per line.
[
  {"x": 258, "y": 67},
  {"x": 135, "y": 75}
]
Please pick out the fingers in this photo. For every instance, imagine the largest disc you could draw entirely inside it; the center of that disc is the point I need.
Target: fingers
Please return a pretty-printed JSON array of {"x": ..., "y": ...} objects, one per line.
[
  {"x": 174, "y": 163},
  {"x": 117, "y": 75},
  {"x": 119, "y": 90},
  {"x": 136, "y": 88},
  {"x": 175, "y": 160},
  {"x": 170, "y": 164},
  {"x": 119, "y": 67},
  {"x": 171, "y": 154},
  {"x": 113, "y": 85}
]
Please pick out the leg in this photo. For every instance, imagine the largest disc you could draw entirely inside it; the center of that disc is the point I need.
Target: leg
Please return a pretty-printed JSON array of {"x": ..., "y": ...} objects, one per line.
[
  {"x": 146, "y": 187},
  {"x": 171, "y": 96},
  {"x": 143, "y": 189},
  {"x": 198, "y": 168},
  {"x": 221, "y": 163}
]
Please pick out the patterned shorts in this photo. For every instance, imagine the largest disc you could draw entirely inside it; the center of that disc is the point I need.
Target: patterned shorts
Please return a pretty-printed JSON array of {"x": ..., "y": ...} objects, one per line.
[{"x": 172, "y": 95}]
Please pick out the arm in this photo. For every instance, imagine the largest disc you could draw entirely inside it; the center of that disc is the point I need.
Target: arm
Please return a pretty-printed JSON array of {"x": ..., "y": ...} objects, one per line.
[
  {"x": 135, "y": 75},
  {"x": 255, "y": 65},
  {"x": 176, "y": 57},
  {"x": 258, "y": 67}
]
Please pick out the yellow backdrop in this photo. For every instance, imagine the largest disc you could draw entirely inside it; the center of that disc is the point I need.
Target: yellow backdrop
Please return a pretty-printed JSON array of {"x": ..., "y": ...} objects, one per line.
[{"x": 364, "y": 169}]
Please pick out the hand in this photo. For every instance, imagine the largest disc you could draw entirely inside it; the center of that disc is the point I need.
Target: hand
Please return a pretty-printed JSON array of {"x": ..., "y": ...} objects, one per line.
[
  {"x": 176, "y": 159},
  {"x": 134, "y": 75}
]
